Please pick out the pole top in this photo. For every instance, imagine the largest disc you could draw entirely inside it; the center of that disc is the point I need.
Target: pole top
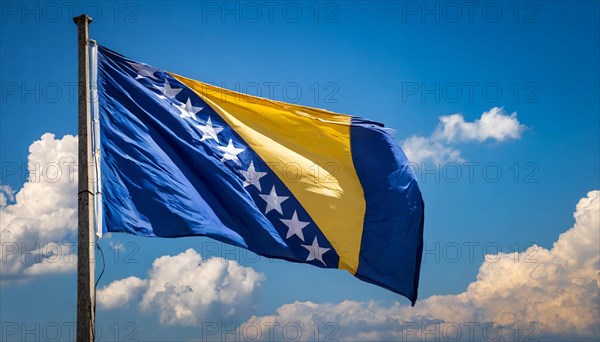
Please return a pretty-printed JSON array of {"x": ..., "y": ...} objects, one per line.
[{"x": 84, "y": 18}]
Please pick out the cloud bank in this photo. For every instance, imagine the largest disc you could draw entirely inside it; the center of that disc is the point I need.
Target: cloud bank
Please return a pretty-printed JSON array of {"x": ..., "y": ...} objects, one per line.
[
  {"x": 6, "y": 194},
  {"x": 548, "y": 294},
  {"x": 186, "y": 290},
  {"x": 37, "y": 231},
  {"x": 494, "y": 124}
]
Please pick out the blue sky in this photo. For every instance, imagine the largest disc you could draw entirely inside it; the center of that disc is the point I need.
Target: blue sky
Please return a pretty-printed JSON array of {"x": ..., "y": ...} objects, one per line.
[{"x": 401, "y": 63}]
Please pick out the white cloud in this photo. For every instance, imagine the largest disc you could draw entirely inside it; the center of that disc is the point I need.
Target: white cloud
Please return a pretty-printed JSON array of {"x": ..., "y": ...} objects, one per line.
[
  {"x": 419, "y": 148},
  {"x": 120, "y": 292},
  {"x": 38, "y": 230},
  {"x": 186, "y": 290},
  {"x": 494, "y": 124},
  {"x": 114, "y": 245},
  {"x": 550, "y": 293},
  {"x": 6, "y": 194}
]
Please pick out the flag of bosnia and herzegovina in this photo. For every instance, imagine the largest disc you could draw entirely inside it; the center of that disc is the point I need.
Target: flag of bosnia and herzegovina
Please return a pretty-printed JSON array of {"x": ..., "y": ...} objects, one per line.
[{"x": 184, "y": 158}]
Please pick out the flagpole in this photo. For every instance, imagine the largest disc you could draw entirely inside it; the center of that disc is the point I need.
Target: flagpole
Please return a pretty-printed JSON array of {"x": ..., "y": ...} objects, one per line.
[{"x": 85, "y": 227}]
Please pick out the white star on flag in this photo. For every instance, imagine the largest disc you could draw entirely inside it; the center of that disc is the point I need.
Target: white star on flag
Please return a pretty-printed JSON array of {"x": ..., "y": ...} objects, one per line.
[
  {"x": 187, "y": 110},
  {"x": 315, "y": 251},
  {"x": 252, "y": 176},
  {"x": 231, "y": 152},
  {"x": 143, "y": 70},
  {"x": 274, "y": 201},
  {"x": 167, "y": 91},
  {"x": 295, "y": 226},
  {"x": 209, "y": 131}
]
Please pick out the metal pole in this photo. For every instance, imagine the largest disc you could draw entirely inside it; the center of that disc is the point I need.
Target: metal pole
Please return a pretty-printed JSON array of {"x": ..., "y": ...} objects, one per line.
[{"x": 85, "y": 236}]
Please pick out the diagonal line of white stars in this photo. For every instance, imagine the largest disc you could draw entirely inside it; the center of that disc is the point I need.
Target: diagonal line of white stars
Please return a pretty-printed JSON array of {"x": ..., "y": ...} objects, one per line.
[{"x": 230, "y": 152}]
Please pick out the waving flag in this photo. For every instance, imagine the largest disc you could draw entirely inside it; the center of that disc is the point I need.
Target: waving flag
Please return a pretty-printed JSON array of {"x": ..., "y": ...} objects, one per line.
[{"x": 185, "y": 158}]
